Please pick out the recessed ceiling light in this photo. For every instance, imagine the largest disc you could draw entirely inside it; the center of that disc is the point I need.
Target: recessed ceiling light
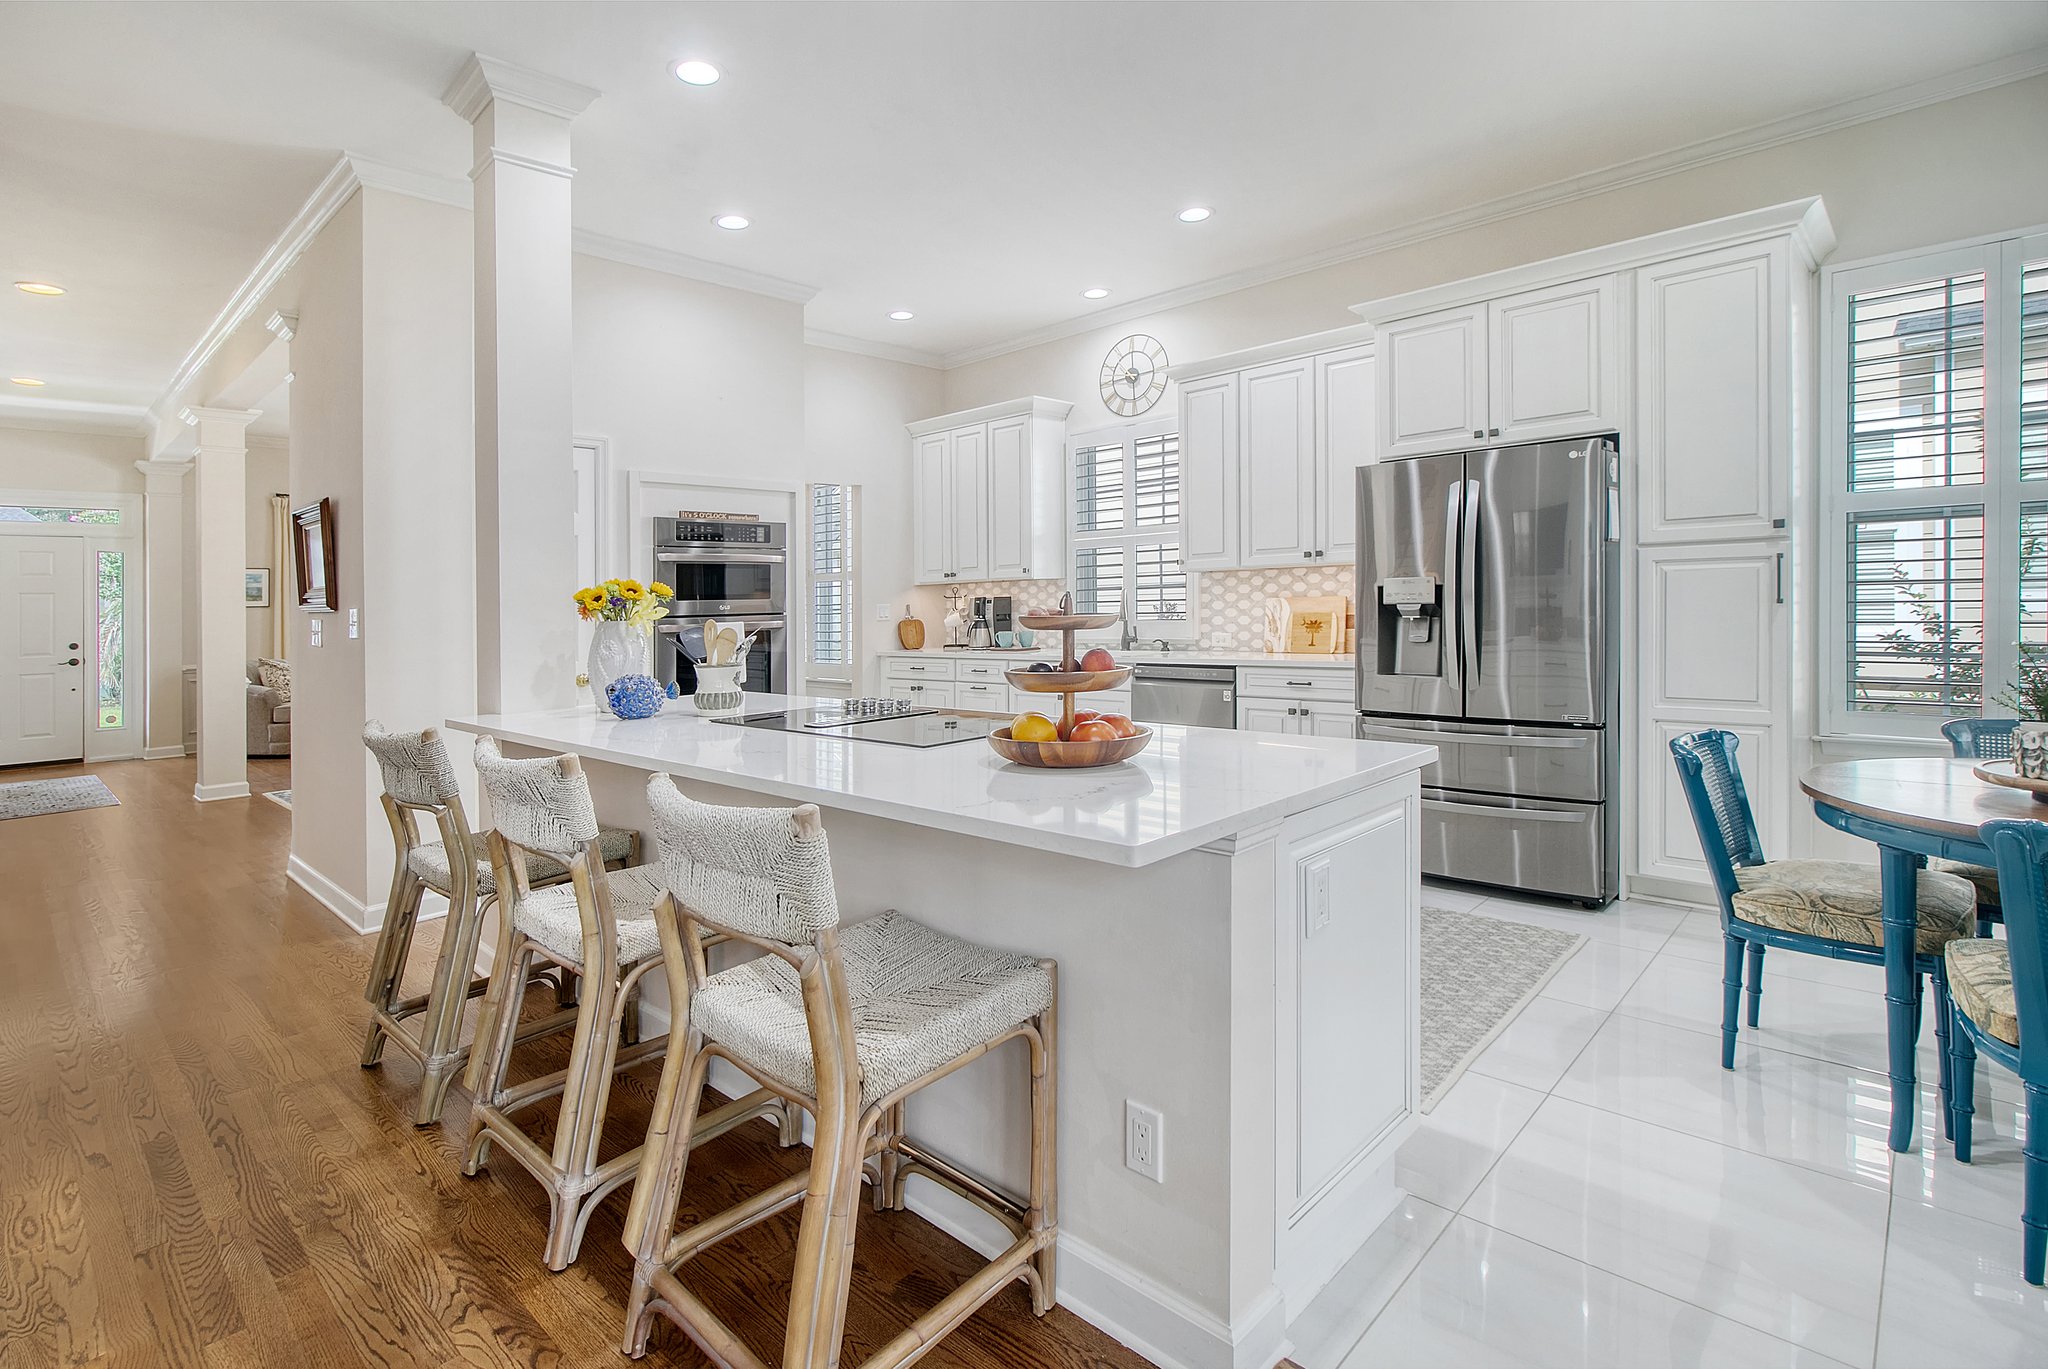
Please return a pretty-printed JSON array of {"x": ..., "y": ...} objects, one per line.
[
  {"x": 1194, "y": 214},
  {"x": 902, "y": 315},
  {"x": 38, "y": 287},
  {"x": 732, "y": 223},
  {"x": 1097, "y": 293},
  {"x": 26, "y": 380},
  {"x": 696, "y": 73}
]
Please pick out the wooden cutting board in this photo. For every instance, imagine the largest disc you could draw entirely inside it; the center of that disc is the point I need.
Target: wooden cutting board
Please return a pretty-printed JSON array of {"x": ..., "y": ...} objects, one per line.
[
  {"x": 1308, "y": 624},
  {"x": 910, "y": 632}
]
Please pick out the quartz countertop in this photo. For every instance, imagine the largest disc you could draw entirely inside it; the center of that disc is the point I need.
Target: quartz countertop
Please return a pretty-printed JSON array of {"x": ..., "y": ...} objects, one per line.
[
  {"x": 1191, "y": 786},
  {"x": 1142, "y": 655}
]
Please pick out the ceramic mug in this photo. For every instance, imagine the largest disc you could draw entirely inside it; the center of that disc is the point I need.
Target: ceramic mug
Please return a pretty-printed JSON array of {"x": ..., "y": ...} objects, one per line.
[
  {"x": 1025, "y": 636},
  {"x": 1006, "y": 639}
]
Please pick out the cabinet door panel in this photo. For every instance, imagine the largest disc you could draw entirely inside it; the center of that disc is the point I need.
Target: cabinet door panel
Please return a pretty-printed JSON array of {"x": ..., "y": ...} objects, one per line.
[
  {"x": 1347, "y": 432},
  {"x": 1009, "y": 498},
  {"x": 1328, "y": 720},
  {"x": 967, "y": 463},
  {"x": 1714, "y": 431},
  {"x": 931, "y": 513},
  {"x": 1278, "y": 462},
  {"x": 1433, "y": 382},
  {"x": 930, "y": 695},
  {"x": 1209, "y": 472},
  {"x": 1554, "y": 361},
  {"x": 1265, "y": 715}
]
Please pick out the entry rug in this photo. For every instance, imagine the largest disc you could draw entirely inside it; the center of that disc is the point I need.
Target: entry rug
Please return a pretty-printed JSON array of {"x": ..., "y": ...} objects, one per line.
[
  {"x": 281, "y": 797},
  {"x": 1477, "y": 973},
  {"x": 36, "y": 798}
]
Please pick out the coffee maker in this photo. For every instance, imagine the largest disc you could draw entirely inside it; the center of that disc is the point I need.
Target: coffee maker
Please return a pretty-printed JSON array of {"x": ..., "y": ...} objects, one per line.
[{"x": 980, "y": 631}]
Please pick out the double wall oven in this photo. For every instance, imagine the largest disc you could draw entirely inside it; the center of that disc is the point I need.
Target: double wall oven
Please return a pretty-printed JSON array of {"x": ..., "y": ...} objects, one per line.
[{"x": 734, "y": 570}]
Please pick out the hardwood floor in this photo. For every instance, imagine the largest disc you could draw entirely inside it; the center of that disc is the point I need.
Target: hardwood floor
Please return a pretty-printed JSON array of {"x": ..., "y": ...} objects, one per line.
[{"x": 194, "y": 1171}]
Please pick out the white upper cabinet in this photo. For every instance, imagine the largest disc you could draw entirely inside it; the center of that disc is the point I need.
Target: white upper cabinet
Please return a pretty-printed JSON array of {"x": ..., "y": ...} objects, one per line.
[
  {"x": 1346, "y": 432},
  {"x": 1209, "y": 470},
  {"x": 988, "y": 493},
  {"x": 1278, "y": 465},
  {"x": 929, "y": 509},
  {"x": 1522, "y": 368},
  {"x": 1433, "y": 382},
  {"x": 1554, "y": 362},
  {"x": 967, "y": 498},
  {"x": 1714, "y": 434}
]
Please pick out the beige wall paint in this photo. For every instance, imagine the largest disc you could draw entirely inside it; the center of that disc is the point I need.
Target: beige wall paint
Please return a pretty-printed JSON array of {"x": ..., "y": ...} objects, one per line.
[
  {"x": 329, "y": 776},
  {"x": 1964, "y": 167},
  {"x": 855, "y": 409},
  {"x": 64, "y": 459},
  {"x": 269, "y": 473}
]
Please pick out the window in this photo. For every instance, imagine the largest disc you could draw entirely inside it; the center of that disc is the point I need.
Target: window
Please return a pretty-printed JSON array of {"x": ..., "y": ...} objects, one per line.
[
  {"x": 1936, "y": 433},
  {"x": 109, "y": 621},
  {"x": 1125, "y": 538},
  {"x": 832, "y": 587},
  {"x": 30, "y": 513}
]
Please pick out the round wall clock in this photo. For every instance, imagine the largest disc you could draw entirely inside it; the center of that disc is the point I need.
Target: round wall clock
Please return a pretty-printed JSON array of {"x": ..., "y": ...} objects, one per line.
[{"x": 1133, "y": 375}]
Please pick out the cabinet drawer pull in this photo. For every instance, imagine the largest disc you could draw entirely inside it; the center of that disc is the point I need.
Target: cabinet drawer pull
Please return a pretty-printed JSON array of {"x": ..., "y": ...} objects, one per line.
[
  {"x": 1781, "y": 577},
  {"x": 1479, "y": 432},
  {"x": 1493, "y": 432},
  {"x": 1305, "y": 684}
]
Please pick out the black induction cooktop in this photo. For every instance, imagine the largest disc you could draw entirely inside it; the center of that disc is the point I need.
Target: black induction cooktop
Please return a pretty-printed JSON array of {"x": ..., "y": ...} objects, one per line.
[{"x": 890, "y": 721}]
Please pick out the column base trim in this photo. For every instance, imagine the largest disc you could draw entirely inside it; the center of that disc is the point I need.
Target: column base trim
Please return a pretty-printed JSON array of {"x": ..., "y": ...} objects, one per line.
[
  {"x": 213, "y": 793},
  {"x": 358, "y": 916},
  {"x": 164, "y": 753}
]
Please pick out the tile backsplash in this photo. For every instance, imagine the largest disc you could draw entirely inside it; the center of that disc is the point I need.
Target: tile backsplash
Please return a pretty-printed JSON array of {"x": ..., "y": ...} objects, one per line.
[{"x": 1232, "y": 603}]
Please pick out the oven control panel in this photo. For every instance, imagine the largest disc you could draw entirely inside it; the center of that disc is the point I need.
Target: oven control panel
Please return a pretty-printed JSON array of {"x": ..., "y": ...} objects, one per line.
[{"x": 670, "y": 532}]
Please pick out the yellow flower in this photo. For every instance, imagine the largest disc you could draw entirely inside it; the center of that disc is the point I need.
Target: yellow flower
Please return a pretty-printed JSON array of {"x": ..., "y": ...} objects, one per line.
[
  {"x": 633, "y": 585},
  {"x": 661, "y": 591},
  {"x": 590, "y": 597},
  {"x": 631, "y": 592}
]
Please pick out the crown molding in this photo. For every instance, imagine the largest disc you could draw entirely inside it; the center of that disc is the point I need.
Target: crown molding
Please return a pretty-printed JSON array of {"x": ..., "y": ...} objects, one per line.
[
  {"x": 1038, "y": 406},
  {"x": 403, "y": 180},
  {"x": 673, "y": 263},
  {"x": 1353, "y": 335},
  {"x": 73, "y": 416},
  {"x": 484, "y": 80},
  {"x": 884, "y": 351},
  {"x": 271, "y": 442},
  {"x": 1793, "y": 128}
]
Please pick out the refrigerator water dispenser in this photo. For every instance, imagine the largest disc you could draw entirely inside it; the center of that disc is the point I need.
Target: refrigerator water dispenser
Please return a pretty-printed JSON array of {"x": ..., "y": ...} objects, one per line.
[{"x": 1411, "y": 626}]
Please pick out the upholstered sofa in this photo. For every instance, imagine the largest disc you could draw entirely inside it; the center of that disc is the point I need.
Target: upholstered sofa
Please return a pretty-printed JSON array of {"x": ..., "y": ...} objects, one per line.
[{"x": 270, "y": 717}]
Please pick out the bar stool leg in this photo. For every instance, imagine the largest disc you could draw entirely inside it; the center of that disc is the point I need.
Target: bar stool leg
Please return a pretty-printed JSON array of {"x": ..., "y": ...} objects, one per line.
[
  {"x": 1731, "y": 998},
  {"x": 790, "y": 1129},
  {"x": 441, "y": 1026},
  {"x": 1043, "y": 1216},
  {"x": 658, "y": 1188},
  {"x": 487, "y": 1064},
  {"x": 824, "y": 1243},
  {"x": 581, "y": 1121},
  {"x": 889, "y": 1163},
  {"x": 1756, "y": 982},
  {"x": 387, "y": 966}
]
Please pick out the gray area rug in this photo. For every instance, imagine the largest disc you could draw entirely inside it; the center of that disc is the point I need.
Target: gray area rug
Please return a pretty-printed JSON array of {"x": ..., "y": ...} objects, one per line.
[
  {"x": 281, "y": 797},
  {"x": 36, "y": 798},
  {"x": 1477, "y": 972}
]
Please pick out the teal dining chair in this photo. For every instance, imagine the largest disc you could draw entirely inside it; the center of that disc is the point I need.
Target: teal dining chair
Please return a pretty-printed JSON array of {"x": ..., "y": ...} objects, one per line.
[
  {"x": 1972, "y": 739},
  {"x": 2001, "y": 1009},
  {"x": 1833, "y": 908}
]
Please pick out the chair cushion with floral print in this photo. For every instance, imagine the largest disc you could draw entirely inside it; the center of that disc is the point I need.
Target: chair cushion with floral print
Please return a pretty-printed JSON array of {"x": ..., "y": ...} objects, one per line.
[
  {"x": 1980, "y": 978},
  {"x": 1985, "y": 877},
  {"x": 1843, "y": 901}
]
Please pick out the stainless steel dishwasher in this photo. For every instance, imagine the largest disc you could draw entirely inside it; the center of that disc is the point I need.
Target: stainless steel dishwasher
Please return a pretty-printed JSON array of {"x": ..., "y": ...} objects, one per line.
[{"x": 1196, "y": 695}]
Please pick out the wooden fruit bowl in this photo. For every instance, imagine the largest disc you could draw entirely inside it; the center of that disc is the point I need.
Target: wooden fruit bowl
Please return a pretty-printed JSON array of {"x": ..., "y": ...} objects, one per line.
[
  {"x": 2006, "y": 773},
  {"x": 1067, "y": 681},
  {"x": 1067, "y": 622},
  {"x": 1068, "y": 755}
]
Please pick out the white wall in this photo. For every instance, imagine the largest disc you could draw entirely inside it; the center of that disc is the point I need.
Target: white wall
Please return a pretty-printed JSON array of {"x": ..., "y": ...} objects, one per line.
[
  {"x": 1963, "y": 167},
  {"x": 855, "y": 409}
]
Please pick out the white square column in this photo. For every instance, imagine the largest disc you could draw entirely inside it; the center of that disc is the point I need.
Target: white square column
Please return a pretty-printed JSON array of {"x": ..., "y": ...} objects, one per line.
[
  {"x": 220, "y": 476},
  {"x": 163, "y": 600},
  {"x": 525, "y": 534}
]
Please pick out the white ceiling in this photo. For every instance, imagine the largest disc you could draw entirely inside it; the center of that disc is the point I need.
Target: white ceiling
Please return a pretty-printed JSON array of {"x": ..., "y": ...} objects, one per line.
[{"x": 980, "y": 164}]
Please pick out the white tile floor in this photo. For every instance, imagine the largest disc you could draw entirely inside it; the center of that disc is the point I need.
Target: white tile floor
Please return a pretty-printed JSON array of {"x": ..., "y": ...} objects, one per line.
[{"x": 1597, "y": 1192}]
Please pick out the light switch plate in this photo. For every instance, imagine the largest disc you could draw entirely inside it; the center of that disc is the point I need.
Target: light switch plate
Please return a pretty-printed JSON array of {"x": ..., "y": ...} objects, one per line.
[
  {"x": 313, "y": 631},
  {"x": 354, "y": 627}
]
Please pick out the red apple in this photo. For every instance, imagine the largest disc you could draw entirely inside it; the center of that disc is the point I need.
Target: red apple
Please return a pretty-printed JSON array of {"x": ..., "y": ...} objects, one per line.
[
  {"x": 1098, "y": 658},
  {"x": 1094, "y": 731},
  {"x": 1123, "y": 725}
]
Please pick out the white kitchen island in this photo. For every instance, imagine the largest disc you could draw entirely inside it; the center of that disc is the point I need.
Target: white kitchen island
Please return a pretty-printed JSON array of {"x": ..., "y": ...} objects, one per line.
[{"x": 1235, "y": 919}]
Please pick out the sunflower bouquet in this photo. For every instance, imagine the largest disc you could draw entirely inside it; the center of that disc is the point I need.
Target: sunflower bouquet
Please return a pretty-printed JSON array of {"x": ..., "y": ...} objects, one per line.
[{"x": 624, "y": 601}]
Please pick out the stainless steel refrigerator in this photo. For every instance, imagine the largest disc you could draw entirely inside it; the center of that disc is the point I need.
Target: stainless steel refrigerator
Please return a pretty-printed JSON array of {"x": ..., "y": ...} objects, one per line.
[{"x": 1487, "y": 628}]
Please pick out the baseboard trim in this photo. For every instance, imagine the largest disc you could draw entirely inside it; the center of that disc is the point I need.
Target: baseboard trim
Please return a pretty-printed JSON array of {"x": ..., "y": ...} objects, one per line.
[
  {"x": 214, "y": 793},
  {"x": 163, "y": 753},
  {"x": 1101, "y": 1290},
  {"x": 358, "y": 916}
]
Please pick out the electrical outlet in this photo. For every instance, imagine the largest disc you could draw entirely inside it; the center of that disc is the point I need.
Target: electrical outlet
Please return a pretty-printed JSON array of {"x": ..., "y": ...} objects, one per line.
[
  {"x": 1318, "y": 910},
  {"x": 354, "y": 626},
  {"x": 1144, "y": 1139}
]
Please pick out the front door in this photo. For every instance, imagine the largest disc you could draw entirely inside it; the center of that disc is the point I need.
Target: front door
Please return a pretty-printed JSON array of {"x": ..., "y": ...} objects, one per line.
[{"x": 44, "y": 665}]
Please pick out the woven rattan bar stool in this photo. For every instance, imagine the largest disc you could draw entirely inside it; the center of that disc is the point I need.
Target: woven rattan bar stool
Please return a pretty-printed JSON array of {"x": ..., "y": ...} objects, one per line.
[
  {"x": 420, "y": 783},
  {"x": 597, "y": 925},
  {"x": 846, "y": 1025}
]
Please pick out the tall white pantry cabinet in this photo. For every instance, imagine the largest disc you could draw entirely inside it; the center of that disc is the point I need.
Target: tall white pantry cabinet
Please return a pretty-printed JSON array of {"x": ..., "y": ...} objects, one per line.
[
  {"x": 1696, "y": 346},
  {"x": 988, "y": 493}
]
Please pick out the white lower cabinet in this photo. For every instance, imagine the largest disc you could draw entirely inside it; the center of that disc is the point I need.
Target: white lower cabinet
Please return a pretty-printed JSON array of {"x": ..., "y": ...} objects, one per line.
[
  {"x": 1715, "y": 638},
  {"x": 1296, "y": 702},
  {"x": 931, "y": 694},
  {"x": 992, "y": 695}
]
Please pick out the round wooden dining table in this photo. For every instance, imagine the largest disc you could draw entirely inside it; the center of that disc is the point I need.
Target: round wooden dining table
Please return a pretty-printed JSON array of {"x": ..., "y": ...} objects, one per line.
[{"x": 1911, "y": 808}]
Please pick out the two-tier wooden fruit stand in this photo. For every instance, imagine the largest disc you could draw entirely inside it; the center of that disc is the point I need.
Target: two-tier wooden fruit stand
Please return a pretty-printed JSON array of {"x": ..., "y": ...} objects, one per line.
[{"x": 1068, "y": 681}]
